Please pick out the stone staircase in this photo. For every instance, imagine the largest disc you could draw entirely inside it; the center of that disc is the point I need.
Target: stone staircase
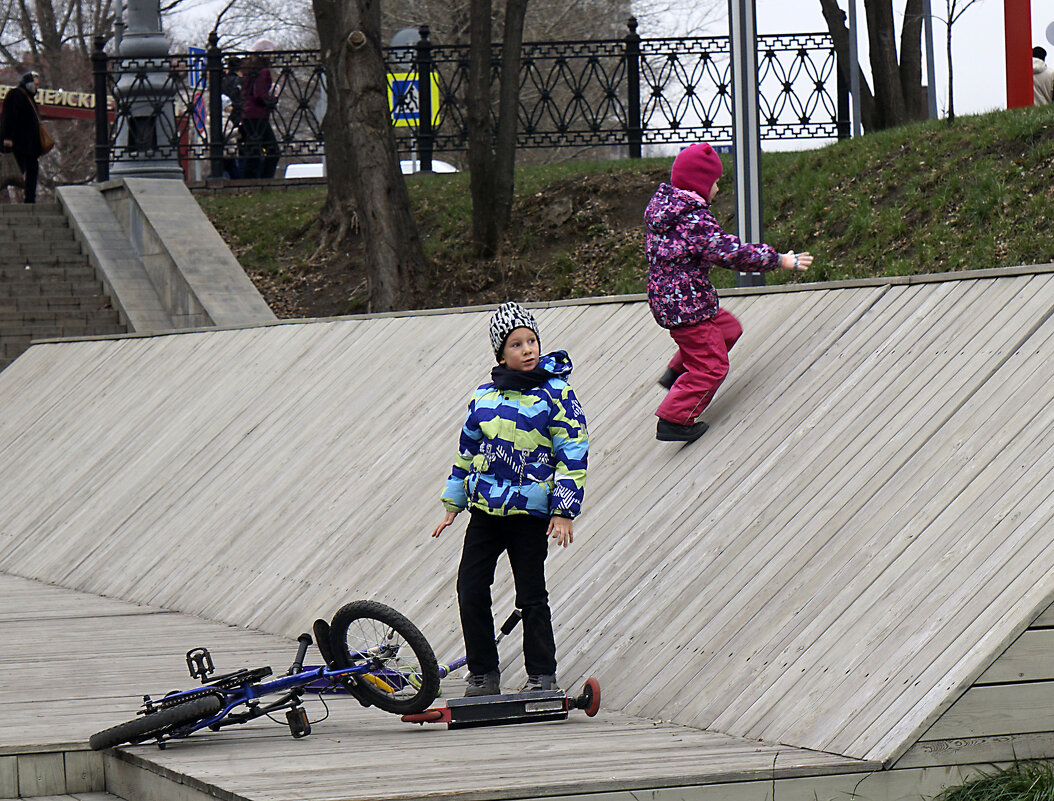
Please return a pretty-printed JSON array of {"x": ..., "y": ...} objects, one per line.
[{"x": 47, "y": 286}]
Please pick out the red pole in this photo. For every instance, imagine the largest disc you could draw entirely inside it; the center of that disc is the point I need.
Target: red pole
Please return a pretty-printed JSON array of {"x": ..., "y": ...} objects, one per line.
[{"x": 1017, "y": 25}]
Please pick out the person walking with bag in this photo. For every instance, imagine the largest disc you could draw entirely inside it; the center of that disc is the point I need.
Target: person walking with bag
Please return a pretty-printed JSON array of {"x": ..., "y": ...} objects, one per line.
[
  {"x": 259, "y": 145},
  {"x": 21, "y": 132}
]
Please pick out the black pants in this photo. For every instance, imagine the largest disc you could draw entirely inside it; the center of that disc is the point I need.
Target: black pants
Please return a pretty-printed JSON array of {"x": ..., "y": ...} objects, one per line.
[
  {"x": 30, "y": 166},
  {"x": 523, "y": 538},
  {"x": 259, "y": 149}
]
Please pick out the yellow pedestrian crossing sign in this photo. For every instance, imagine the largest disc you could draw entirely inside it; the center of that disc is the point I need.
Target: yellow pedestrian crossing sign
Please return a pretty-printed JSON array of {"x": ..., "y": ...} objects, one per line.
[{"x": 404, "y": 100}]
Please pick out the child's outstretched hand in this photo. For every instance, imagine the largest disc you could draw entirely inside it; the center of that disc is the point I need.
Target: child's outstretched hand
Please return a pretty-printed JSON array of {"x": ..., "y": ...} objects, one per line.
[
  {"x": 561, "y": 529},
  {"x": 795, "y": 261},
  {"x": 446, "y": 522}
]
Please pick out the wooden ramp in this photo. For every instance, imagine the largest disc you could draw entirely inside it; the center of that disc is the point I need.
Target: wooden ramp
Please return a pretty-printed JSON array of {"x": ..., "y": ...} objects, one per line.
[
  {"x": 104, "y": 654},
  {"x": 860, "y": 535}
]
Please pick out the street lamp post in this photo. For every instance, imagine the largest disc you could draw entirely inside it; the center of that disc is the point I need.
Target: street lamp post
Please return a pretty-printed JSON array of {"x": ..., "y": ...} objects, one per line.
[{"x": 145, "y": 145}]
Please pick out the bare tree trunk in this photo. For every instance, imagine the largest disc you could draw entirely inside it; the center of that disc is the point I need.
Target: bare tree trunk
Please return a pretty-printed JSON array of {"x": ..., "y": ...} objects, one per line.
[
  {"x": 480, "y": 132},
  {"x": 338, "y": 217},
  {"x": 836, "y": 25},
  {"x": 885, "y": 71},
  {"x": 955, "y": 11},
  {"x": 951, "y": 72},
  {"x": 492, "y": 159},
  {"x": 911, "y": 61},
  {"x": 897, "y": 82},
  {"x": 361, "y": 129},
  {"x": 508, "y": 108}
]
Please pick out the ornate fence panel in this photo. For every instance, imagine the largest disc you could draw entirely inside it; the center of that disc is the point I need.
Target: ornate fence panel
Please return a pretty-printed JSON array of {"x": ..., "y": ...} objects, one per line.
[
  {"x": 687, "y": 89},
  {"x": 627, "y": 93},
  {"x": 571, "y": 94}
]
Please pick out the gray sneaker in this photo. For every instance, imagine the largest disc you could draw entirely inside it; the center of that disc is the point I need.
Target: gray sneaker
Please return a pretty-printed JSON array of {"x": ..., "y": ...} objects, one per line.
[
  {"x": 483, "y": 684},
  {"x": 540, "y": 681}
]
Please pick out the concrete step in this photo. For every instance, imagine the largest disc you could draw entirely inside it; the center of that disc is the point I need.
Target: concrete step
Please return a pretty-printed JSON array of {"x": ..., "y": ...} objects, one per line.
[
  {"x": 22, "y": 318},
  {"x": 15, "y": 261},
  {"x": 36, "y": 249},
  {"x": 58, "y": 295},
  {"x": 44, "y": 303},
  {"x": 73, "y": 268},
  {"x": 51, "y": 222},
  {"x": 85, "y": 286},
  {"x": 59, "y": 328},
  {"x": 18, "y": 323},
  {"x": 17, "y": 209},
  {"x": 14, "y": 346},
  {"x": 14, "y": 342},
  {"x": 35, "y": 232},
  {"x": 52, "y": 218}
]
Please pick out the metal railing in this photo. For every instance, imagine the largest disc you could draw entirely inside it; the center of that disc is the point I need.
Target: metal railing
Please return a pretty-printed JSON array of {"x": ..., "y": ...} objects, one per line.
[{"x": 625, "y": 93}]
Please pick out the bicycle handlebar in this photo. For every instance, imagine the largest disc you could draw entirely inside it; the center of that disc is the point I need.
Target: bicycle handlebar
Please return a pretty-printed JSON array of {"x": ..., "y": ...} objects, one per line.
[{"x": 301, "y": 653}]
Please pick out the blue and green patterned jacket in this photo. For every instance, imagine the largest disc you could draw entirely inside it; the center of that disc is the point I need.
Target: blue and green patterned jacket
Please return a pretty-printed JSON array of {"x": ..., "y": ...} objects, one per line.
[{"x": 522, "y": 451}]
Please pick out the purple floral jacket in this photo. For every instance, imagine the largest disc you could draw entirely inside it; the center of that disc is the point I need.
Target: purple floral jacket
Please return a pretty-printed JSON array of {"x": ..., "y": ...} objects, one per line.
[{"x": 683, "y": 241}]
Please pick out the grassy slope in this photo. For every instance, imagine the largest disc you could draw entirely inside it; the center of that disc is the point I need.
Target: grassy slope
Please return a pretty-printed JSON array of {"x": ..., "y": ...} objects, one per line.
[{"x": 930, "y": 197}]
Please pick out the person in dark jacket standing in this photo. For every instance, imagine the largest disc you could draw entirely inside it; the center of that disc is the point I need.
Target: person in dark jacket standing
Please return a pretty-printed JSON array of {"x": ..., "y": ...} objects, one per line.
[
  {"x": 20, "y": 131},
  {"x": 259, "y": 144}
]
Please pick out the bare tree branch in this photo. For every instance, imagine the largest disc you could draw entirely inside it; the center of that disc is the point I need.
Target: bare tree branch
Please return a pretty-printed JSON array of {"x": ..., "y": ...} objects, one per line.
[
  {"x": 955, "y": 11},
  {"x": 219, "y": 17}
]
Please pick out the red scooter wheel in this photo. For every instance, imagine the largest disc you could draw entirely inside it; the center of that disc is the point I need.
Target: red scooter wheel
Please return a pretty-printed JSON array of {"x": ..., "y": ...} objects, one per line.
[{"x": 589, "y": 700}]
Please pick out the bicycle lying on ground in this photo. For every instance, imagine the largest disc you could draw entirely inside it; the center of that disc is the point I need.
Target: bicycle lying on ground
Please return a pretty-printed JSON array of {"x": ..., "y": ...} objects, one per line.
[{"x": 371, "y": 652}]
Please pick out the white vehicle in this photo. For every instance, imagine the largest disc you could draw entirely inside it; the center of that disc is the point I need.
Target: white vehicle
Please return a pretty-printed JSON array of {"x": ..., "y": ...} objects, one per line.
[{"x": 317, "y": 169}]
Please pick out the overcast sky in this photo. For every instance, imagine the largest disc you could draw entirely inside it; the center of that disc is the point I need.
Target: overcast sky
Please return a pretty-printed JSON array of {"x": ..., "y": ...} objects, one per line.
[{"x": 977, "y": 44}]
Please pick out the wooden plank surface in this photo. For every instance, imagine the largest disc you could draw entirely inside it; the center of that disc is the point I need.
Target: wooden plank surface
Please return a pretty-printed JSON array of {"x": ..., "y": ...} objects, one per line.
[
  {"x": 850, "y": 546},
  {"x": 1028, "y": 659},
  {"x": 67, "y": 677},
  {"x": 999, "y": 709}
]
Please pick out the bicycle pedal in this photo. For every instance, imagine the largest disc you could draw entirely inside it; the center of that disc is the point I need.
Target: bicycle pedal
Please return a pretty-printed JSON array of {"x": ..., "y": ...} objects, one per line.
[
  {"x": 299, "y": 726},
  {"x": 199, "y": 663}
]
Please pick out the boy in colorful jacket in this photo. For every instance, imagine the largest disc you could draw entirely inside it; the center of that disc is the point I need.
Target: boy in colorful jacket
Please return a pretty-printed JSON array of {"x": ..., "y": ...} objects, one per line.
[
  {"x": 683, "y": 241},
  {"x": 521, "y": 471}
]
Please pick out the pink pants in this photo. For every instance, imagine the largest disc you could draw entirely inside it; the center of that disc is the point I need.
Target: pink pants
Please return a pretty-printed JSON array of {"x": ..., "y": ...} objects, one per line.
[{"x": 702, "y": 361}]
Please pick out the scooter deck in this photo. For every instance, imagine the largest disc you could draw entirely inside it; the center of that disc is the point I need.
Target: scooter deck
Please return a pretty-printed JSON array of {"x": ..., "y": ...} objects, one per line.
[
  {"x": 499, "y": 710},
  {"x": 523, "y": 707}
]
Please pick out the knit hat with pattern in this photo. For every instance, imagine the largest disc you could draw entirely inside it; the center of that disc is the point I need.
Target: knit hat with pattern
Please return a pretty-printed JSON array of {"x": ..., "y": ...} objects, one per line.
[
  {"x": 697, "y": 168},
  {"x": 507, "y": 319}
]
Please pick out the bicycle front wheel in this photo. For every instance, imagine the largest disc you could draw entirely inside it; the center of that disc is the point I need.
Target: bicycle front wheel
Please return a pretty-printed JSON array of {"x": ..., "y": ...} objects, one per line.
[
  {"x": 402, "y": 675},
  {"x": 155, "y": 723}
]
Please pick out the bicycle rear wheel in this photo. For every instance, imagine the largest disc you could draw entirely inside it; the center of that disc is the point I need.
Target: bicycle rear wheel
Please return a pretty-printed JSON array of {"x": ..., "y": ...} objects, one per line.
[
  {"x": 402, "y": 676},
  {"x": 155, "y": 723}
]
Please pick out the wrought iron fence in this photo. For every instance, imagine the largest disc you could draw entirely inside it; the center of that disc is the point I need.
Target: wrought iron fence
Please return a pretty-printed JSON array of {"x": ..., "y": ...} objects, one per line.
[{"x": 626, "y": 93}]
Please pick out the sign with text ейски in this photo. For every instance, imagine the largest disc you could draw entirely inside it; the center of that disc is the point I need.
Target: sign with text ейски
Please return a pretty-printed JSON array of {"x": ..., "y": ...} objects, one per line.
[{"x": 60, "y": 103}]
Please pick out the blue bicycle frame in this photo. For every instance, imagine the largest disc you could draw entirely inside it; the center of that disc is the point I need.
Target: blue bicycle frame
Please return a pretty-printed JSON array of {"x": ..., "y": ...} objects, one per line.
[{"x": 311, "y": 679}]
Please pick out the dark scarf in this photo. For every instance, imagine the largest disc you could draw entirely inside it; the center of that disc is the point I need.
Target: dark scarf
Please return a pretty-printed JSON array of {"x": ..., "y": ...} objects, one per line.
[{"x": 504, "y": 378}]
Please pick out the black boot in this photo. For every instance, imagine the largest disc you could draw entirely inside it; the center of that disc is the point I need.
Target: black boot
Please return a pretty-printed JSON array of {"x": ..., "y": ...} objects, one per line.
[
  {"x": 665, "y": 431},
  {"x": 666, "y": 379}
]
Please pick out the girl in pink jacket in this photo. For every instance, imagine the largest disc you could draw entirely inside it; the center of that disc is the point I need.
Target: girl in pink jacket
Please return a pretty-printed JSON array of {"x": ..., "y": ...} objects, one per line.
[{"x": 683, "y": 241}]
